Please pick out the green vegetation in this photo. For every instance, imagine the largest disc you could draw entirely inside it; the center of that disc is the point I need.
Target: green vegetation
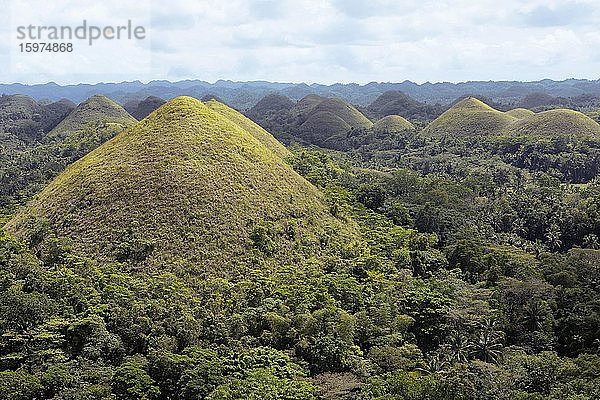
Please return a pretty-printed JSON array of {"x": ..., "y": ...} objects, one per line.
[{"x": 187, "y": 259}]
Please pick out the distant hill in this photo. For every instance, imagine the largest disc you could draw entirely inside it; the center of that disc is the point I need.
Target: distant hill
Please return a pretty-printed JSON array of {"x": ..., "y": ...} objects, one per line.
[
  {"x": 141, "y": 109},
  {"x": 244, "y": 95},
  {"x": 392, "y": 123},
  {"x": 534, "y": 100},
  {"x": 97, "y": 111},
  {"x": 468, "y": 118},
  {"x": 321, "y": 119},
  {"x": 520, "y": 113},
  {"x": 312, "y": 120},
  {"x": 271, "y": 103},
  {"x": 209, "y": 97},
  {"x": 395, "y": 102},
  {"x": 221, "y": 201},
  {"x": 26, "y": 120},
  {"x": 556, "y": 123}
]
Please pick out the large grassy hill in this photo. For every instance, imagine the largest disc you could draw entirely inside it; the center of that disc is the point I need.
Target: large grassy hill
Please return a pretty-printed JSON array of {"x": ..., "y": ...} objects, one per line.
[
  {"x": 556, "y": 123},
  {"x": 187, "y": 186},
  {"x": 467, "y": 119}
]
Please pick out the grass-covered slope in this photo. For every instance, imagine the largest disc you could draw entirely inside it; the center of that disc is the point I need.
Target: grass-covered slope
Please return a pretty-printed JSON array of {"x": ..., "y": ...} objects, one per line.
[
  {"x": 250, "y": 126},
  {"x": 468, "y": 118},
  {"x": 520, "y": 113},
  {"x": 98, "y": 110},
  {"x": 392, "y": 123},
  {"x": 556, "y": 123},
  {"x": 186, "y": 187}
]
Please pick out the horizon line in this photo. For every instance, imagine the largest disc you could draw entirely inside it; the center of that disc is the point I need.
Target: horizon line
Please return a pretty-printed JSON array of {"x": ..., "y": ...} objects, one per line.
[{"x": 147, "y": 82}]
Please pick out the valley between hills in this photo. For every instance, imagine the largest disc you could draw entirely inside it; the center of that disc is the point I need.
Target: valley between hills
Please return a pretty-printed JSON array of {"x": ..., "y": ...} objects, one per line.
[{"x": 362, "y": 244}]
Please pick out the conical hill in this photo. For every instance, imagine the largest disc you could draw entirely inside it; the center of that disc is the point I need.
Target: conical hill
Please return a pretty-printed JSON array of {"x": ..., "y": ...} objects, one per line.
[{"x": 186, "y": 187}]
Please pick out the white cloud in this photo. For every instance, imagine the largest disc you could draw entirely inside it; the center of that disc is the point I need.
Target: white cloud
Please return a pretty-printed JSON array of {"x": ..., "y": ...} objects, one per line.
[{"x": 323, "y": 41}]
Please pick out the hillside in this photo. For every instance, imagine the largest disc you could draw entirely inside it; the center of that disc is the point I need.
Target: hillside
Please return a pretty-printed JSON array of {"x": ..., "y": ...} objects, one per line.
[
  {"x": 321, "y": 126},
  {"x": 305, "y": 105},
  {"x": 217, "y": 193},
  {"x": 249, "y": 126},
  {"x": 468, "y": 118},
  {"x": 141, "y": 109},
  {"x": 556, "y": 123},
  {"x": 392, "y": 123}
]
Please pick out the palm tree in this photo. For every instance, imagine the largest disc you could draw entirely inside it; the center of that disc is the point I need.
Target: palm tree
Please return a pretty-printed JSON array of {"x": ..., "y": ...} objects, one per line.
[
  {"x": 459, "y": 346},
  {"x": 487, "y": 344},
  {"x": 434, "y": 363}
]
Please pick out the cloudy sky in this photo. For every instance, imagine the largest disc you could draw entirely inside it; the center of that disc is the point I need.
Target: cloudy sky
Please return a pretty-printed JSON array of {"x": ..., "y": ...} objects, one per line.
[{"x": 321, "y": 41}]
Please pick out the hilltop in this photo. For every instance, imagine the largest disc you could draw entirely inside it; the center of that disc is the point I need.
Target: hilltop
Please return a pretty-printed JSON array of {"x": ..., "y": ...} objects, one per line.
[
  {"x": 520, "y": 113},
  {"x": 219, "y": 197},
  {"x": 468, "y": 118},
  {"x": 273, "y": 102},
  {"x": 249, "y": 126},
  {"x": 392, "y": 123}
]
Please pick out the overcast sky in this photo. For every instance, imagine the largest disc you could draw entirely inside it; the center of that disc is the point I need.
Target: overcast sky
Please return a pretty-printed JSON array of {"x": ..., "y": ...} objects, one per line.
[{"x": 309, "y": 41}]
